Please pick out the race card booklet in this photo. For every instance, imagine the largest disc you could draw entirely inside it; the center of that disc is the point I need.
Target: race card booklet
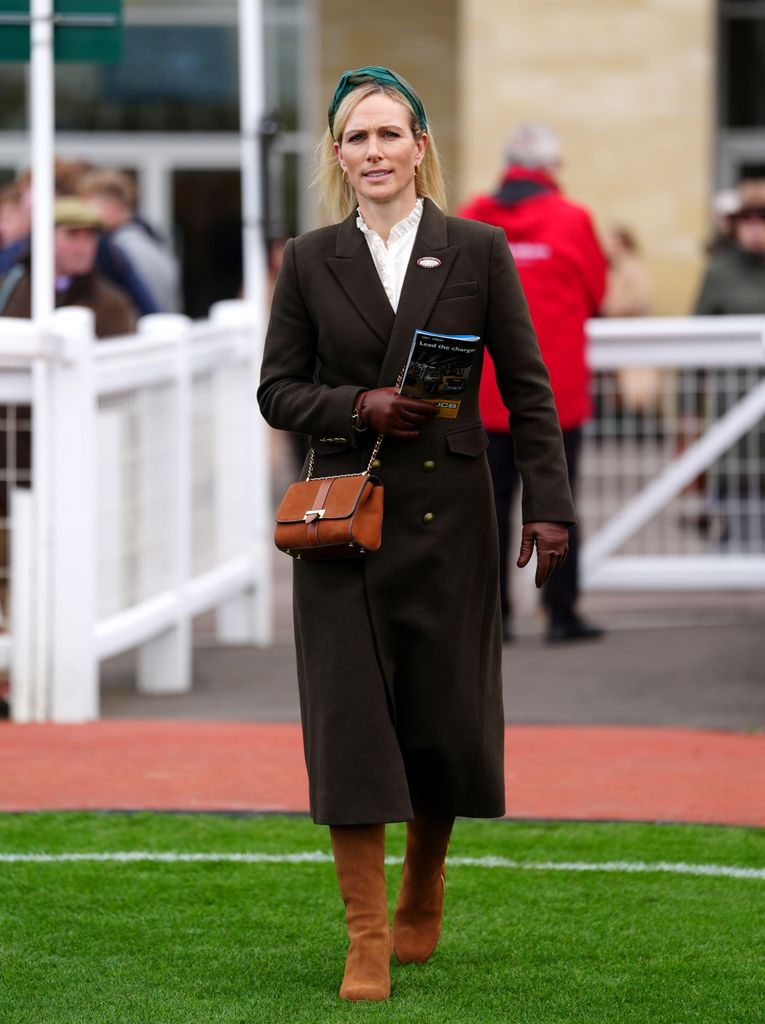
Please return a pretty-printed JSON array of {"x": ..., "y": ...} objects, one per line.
[{"x": 438, "y": 368}]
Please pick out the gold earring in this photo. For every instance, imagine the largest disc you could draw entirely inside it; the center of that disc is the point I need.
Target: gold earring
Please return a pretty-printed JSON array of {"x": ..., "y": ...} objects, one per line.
[
  {"x": 416, "y": 170},
  {"x": 345, "y": 177}
]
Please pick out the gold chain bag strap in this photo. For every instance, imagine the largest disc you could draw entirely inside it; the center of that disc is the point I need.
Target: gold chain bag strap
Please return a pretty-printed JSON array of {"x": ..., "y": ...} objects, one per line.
[{"x": 326, "y": 517}]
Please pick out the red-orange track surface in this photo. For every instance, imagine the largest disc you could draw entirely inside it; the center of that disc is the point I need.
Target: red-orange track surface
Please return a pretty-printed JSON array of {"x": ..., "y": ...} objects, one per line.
[{"x": 574, "y": 772}]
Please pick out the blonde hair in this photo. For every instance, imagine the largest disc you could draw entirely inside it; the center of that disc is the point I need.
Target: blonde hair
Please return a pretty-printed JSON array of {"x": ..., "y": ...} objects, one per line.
[{"x": 336, "y": 194}]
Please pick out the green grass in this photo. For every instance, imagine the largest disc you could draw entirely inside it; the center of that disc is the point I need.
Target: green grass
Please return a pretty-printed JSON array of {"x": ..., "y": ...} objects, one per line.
[{"x": 96, "y": 943}]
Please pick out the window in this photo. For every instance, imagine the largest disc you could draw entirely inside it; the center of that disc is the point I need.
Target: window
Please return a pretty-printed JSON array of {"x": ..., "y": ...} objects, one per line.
[
  {"x": 742, "y": 60},
  {"x": 741, "y": 90},
  {"x": 180, "y": 75},
  {"x": 172, "y": 78}
]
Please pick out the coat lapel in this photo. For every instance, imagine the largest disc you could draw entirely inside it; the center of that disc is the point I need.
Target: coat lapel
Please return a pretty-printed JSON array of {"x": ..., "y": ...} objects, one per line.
[
  {"x": 355, "y": 271},
  {"x": 421, "y": 288}
]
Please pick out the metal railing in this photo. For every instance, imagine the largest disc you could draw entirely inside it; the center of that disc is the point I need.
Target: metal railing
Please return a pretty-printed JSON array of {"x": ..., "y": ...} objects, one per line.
[{"x": 149, "y": 502}]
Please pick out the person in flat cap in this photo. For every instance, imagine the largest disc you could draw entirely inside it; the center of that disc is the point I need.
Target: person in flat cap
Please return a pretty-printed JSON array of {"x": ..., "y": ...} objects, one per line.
[
  {"x": 734, "y": 281},
  {"x": 78, "y": 283},
  {"x": 399, "y": 650},
  {"x": 734, "y": 285}
]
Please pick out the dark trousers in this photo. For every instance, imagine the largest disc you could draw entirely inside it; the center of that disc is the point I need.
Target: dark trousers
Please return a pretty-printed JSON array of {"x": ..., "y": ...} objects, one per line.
[{"x": 560, "y": 593}]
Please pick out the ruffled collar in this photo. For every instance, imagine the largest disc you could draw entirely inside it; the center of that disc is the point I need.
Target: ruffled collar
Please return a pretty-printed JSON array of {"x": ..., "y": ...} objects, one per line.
[{"x": 399, "y": 230}]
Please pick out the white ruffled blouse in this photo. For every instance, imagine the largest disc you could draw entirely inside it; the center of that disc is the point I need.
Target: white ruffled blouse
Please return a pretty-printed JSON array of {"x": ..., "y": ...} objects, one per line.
[{"x": 391, "y": 260}]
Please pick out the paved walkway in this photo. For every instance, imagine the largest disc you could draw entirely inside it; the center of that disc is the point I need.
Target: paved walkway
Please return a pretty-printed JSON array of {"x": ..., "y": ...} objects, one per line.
[{"x": 699, "y": 665}]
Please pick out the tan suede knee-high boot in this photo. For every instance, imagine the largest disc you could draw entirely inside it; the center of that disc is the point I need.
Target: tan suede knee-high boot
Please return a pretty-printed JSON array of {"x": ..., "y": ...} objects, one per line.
[
  {"x": 417, "y": 918},
  {"x": 360, "y": 864}
]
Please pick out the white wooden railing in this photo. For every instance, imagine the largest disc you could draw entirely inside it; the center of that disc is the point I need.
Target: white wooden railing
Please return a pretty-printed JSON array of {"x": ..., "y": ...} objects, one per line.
[
  {"x": 150, "y": 501},
  {"x": 149, "y": 505},
  {"x": 671, "y": 488}
]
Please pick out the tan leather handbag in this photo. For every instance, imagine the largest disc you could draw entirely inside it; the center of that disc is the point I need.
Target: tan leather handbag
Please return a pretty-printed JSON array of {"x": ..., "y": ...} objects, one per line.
[{"x": 331, "y": 516}]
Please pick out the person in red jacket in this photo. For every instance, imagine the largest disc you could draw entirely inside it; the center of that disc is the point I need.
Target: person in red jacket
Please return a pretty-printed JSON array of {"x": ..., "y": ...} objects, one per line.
[{"x": 563, "y": 271}]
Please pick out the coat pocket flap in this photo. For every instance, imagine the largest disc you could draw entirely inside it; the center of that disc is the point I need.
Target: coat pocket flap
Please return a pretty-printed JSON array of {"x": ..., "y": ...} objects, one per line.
[
  {"x": 322, "y": 498},
  {"x": 467, "y": 440},
  {"x": 460, "y": 290}
]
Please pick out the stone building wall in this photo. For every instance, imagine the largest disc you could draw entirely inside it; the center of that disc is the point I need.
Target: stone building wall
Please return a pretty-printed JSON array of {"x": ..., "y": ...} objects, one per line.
[{"x": 628, "y": 84}]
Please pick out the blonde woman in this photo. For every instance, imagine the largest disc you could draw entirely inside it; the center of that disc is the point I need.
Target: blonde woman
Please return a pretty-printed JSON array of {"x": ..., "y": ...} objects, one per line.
[{"x": 399, "y": 650}]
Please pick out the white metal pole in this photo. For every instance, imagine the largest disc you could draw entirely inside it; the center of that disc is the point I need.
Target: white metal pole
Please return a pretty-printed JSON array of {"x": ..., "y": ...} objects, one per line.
[
  {"x": 42, "y": 144},
  {"x": 252, "y": 102},
  {"x": 251, "y": 109}
]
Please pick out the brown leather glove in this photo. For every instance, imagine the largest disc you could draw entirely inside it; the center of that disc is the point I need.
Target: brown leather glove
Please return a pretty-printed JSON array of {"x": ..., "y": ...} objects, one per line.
[
  {"x": 387, "y": 412},
  {"x": 552, "y": 547}
]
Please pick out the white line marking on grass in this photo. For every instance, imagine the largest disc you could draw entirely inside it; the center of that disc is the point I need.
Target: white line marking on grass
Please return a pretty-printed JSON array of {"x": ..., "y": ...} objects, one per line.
[
  {"x": 627, "y": 867},
  {"x": 152, "y": 856}
]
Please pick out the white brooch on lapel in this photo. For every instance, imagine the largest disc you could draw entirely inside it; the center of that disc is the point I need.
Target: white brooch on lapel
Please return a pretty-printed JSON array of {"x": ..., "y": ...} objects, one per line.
[{"x": 428, "y": 262}]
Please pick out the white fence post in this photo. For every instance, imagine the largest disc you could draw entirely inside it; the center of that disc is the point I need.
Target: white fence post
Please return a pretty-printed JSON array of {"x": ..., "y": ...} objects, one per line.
[
  {"x": 164, "y": 662},
  {"x": 248, "y": 617},
  {"x": 23, "y": 691},
  {"x": 74, "y": 668},
  {"x": 112, "y": 505}
]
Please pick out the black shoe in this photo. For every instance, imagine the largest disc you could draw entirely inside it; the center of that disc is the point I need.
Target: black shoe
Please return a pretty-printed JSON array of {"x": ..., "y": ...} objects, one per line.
[{"x": 571, "y": 628}]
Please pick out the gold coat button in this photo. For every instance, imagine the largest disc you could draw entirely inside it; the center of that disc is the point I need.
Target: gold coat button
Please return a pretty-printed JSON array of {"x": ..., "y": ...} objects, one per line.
[
  {"x": 428, "y": 517},
  {"x": 376, "y": 464},
  {"x": 429, "y": 466}
]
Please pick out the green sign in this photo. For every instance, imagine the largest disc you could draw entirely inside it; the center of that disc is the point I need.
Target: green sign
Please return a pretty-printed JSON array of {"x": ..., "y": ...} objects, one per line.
[
  {"x": 85, "y": 31},
  {"x": 99, "y": 42},
  {"x": 14, "y": 38}
]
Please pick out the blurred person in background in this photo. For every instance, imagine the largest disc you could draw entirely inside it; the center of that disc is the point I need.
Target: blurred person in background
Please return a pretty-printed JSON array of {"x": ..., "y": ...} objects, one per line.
[
  {"x": 78, "y": 283},
  {"x": 67, "y": 175},
  {"x": 628, "y": 283},
  {"x": 629, "y": 292},
  {"x": 399, "y": 651},
  {"x": 734, "y": 281},
  {"x": 734, "y": 285},
  {"x": 562, "y": 270},
  {"x": 15, "y": 223},
  {"x": 130, "y": 253},
  {"x": 725, "y": 206},
  {"x": 16, "y": 209}
]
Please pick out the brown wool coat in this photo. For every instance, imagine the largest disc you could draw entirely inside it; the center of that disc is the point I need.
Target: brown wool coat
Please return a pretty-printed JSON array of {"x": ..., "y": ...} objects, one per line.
[{"x": 399, "y": 651}]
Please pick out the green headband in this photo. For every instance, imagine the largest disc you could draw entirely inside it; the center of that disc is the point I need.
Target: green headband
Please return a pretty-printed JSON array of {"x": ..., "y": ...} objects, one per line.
[{"x": 351, "y": 80}]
